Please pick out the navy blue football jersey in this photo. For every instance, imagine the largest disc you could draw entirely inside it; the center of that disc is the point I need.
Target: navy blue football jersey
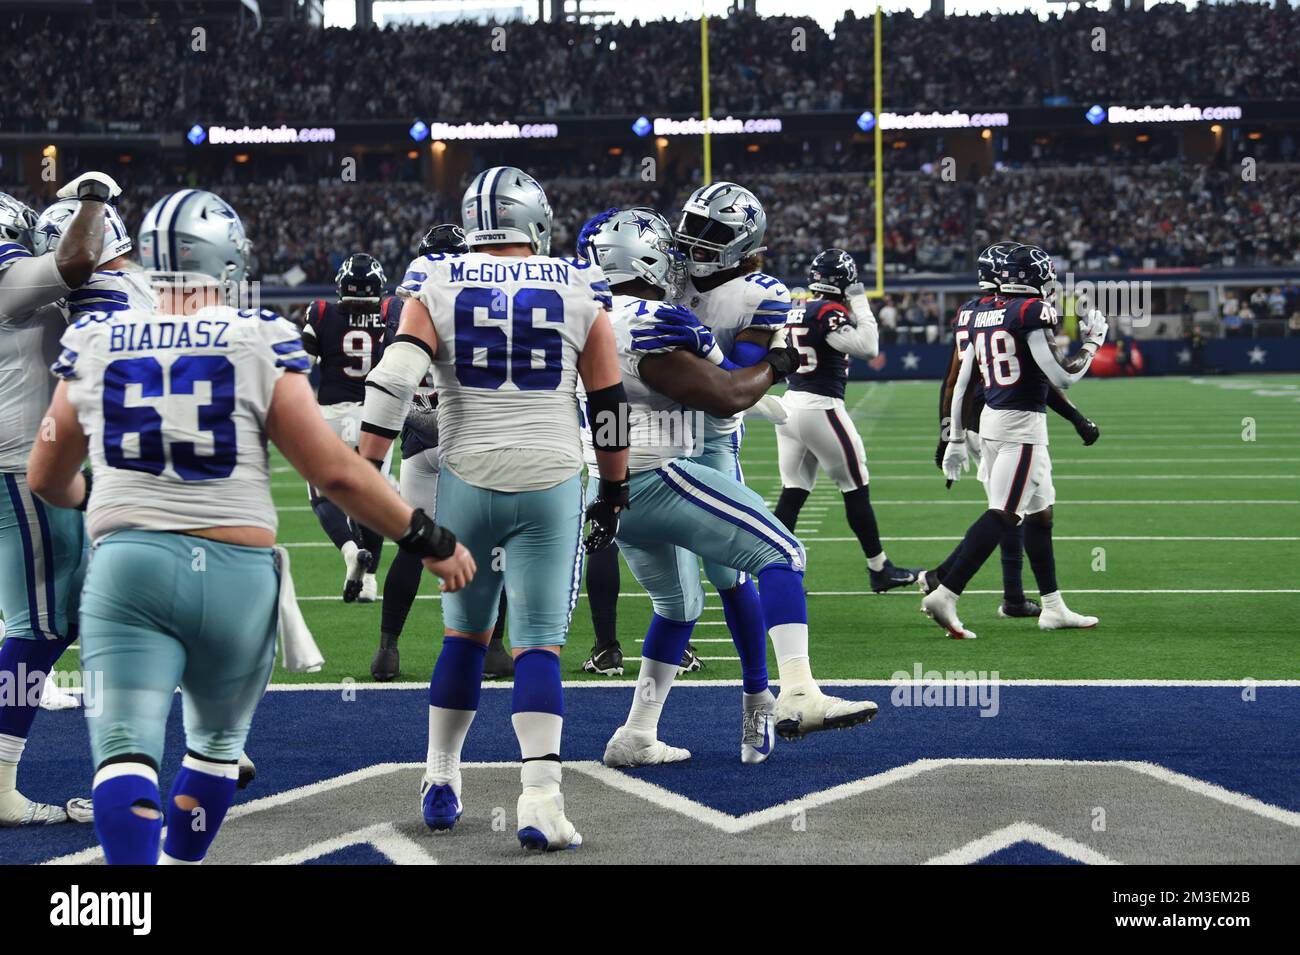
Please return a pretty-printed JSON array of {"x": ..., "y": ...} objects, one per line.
[
  {"x": 822, "y": 369},
  {"x": 961, "y": 337},
  {"x": 999, "y": 331},
  {"x": 349, "y": 344}
]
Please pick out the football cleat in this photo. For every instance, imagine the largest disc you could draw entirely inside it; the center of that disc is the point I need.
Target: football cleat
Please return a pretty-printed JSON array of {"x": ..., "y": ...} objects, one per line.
[
  {"x": 385, "y": 664},
  {"x": 628, "y": 747},
  {"x": 927, "y": 580},
  {"x": 18, "y": 810},
  {"x": 369, "y": 589},
  {"x": 80, "y": 809},
  {"x": 606, "y": 661},
  {"x": 54, "y": 697},
  {"x": 889, "y": 577},
  {"x": 1062, "y": 617},
  {"x": 1026, "y": 608},
  {"x": 356, "y": 570},
  {"x": 543, "y": 827},
  {"x": 757, "y": 728},
  {"x": 440, "y": 802},
  {"x": 247, "y": 771},
  {"x": 498, "y": 664},
  {"x": 800, "y": 711},
  {"x": 690, "y": 661},
  {"x": 940, "y": 605}
]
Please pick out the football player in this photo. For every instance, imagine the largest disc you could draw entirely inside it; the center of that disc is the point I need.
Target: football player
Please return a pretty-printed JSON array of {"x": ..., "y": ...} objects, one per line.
[
  {"x": 680, "y": 507},
  {"x": 509, "y": 331},
  {"x": 1014, "y": 602},
  {"x": 1017, "y": 361},
  {"x": 189, "y": 511},
  {"x": 118, "y": 283},
  {"x": 419, "y": 484},
  {"x": 348, "y": 338},
  {"x": 829, "y": 330},
  {"x": 42, "y": 548},
  {"x": 721, "y": 235}
]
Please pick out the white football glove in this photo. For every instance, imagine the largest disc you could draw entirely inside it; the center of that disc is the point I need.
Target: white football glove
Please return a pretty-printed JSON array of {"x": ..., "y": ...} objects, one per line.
[
  {"x": 956, "y": 459},
  {"x": 770, "y": 407},
  {"x": 70, "y": 190},
  {"x": 859, "y": 304},
  {"x": 1093, "y": 328}
]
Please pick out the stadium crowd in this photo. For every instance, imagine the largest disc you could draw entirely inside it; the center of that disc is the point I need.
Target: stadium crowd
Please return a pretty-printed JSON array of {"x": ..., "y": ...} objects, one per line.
[
  {"x": 1162, "y": 216},
  {"x": 293, "y": 72}
]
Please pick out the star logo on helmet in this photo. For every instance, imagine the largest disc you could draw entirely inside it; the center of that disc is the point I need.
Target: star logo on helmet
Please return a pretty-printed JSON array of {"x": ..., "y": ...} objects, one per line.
[
  {"x": 750, "y": 213},
  {"x": 643, "y": 225}
]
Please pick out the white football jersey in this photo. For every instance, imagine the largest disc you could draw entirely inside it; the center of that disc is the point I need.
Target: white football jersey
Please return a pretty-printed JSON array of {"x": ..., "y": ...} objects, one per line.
[
  {"x": 755, "y": 299},
  {"x": 659, "y": 428},
  {"x": 175, "y": 407},
  {"x": 510, "y": 330},
  {"x": 112, "y": 290}
]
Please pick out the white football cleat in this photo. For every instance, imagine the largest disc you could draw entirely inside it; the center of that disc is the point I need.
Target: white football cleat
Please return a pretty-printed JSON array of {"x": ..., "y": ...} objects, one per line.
[
  {"x": 543, "y": 827},
  {"x": 17, "y": 810},
  {"x": 1057, "y": 616},
  {"x": 80, "y": 809},
  {"x": 803, "y": 710},
  {"x": 355, "y": 562},
  {"x": 369, "y": 589},
  {"x": 940, "y": 605},
  {"x": 628, "y": 747},
  {"x": 54, "y": 697},
  {"x": 758, "y": 727}
]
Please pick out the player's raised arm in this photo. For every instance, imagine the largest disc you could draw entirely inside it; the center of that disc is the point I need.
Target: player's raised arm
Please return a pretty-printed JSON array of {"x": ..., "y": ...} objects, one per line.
[
  {"x": 392, "y": 383},
  {"x": 1063, "y": 372},
  {"x": 296, "y": 426}
]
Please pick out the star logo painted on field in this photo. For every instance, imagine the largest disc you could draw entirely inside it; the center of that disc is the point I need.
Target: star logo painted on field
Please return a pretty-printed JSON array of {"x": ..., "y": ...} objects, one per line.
[
  {"x": 1185, "y": 356},
  {"x": 1257, "y": 355},
  {"x": 910, "y": 361}
]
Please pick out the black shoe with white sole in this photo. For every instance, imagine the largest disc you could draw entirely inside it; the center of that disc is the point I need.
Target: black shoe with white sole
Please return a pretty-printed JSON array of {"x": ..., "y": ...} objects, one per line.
[
  {"x": 1026, "y": 608},
  {"x": 889, "y": 577},
  {"x": 605, "y": 661}
]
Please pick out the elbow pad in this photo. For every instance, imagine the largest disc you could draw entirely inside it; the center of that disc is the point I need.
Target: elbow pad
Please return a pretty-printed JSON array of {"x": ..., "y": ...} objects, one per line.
[
  {"x": 608, "y": 416},
  {"x": 391, "y": 384}
]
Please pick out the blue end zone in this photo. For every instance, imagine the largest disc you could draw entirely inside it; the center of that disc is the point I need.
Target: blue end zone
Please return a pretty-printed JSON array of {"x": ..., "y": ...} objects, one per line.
[
  {"x": 300, "y": 737},
  {"x": 1026, "y": 853}
]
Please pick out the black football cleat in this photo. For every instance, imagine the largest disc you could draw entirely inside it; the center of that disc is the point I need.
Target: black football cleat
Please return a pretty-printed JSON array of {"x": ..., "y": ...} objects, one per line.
[
  {"x": 355, "y": 579},
  {"x": 691, "y": 661},
  {"x": 1026, "y": 608},
  {"x": 889, "y": 577},
  {"x": 498, "y": 664},
  {"x": 605, "y": 661},
  {"x": 247, "y": 772},
  {"x": 384, "y": 665}
]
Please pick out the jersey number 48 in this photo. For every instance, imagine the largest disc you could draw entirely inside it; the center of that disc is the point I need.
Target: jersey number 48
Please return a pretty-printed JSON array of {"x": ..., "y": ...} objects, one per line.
[{"x": 996, "y": 354}]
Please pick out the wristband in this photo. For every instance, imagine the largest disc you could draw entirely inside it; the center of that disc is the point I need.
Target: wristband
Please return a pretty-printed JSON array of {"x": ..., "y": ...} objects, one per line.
[
  {"x": 424, "y": 538},
  {"x": 614, "y": 492}
]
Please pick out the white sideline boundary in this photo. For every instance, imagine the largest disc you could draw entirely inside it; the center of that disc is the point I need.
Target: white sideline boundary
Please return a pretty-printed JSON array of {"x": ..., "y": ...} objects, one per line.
[{"x": 689, "y": 682}]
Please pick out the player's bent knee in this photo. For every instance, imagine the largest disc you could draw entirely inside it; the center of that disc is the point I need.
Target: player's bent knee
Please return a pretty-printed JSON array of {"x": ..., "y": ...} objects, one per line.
[
  {"x": 1010, "y": 518},
  {"x": 1042, "y": 518}
]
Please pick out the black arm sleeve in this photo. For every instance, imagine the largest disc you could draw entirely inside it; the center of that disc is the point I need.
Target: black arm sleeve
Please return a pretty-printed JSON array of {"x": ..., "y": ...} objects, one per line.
[
  {"x": 608, "y": 416},
  {"x": 1063, "y": 406}
]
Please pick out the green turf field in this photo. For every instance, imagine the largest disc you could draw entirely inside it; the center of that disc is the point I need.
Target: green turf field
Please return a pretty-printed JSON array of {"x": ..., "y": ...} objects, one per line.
[{"x": 1180, "y": 534}]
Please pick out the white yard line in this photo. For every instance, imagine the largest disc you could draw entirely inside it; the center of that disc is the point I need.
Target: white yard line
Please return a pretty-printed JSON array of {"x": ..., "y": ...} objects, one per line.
[{"x": 908, "y": 592}]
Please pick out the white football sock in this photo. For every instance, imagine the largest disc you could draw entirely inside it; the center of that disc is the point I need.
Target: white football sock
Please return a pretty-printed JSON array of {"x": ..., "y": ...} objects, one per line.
[
  {"x": 790, "y": 642},
  {"x": 652, "y": 688},
  {"x": 1053, "y": 601},
  {"x": 447, "y": 731},
  {"x": 541, "y": 774},
  {"x": 538, "y": 733},
  {"x": 877, "y": 562},
  {"x": 349, "y": 550}
]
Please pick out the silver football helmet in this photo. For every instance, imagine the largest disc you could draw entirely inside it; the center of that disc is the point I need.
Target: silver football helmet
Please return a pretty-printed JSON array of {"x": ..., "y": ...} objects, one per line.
[
  {"x": 16, "y": 221},
  {"x": 194, "y": 232},
  {"x": 506, "y": 205},
  {"x": 54, "y": 220},
  {"x": 638, "y": 244},
  {"x": 721, "y": 224}
]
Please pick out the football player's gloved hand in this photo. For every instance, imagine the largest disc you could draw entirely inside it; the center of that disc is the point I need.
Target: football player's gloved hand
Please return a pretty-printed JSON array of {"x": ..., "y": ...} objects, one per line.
[
  {"x": 859, "y": 303},
  {"x": 99, "y": 186},
  {"x": 782, "y": 354},
  {"x": 1093, "y": 328},
  {"x": 676, "y": 327},
  {"x": 956, "y": 458},
  {"x": 590, "y": 228},
  {"x": 603, "y": 514},
  {"x": 1088, "y": 430}
]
